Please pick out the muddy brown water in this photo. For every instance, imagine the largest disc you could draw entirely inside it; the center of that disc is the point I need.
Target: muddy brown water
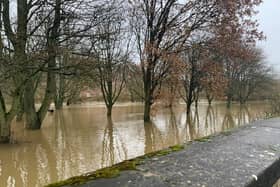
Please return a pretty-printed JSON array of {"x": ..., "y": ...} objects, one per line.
[{"x": 80, "y": 139}]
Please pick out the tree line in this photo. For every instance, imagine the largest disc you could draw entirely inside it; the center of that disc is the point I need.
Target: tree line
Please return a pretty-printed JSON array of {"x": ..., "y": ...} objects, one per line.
[{"x": 153, "y": 48}]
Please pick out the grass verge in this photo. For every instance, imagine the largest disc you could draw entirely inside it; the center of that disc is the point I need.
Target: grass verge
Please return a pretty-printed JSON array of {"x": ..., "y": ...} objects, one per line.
[{"x": 115, "y": 170}]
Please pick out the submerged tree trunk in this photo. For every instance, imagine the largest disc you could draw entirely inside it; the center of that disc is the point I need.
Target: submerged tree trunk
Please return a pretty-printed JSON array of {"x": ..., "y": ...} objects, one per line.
[
  {"x": 49, "y": 93},
  {"x": 196, "y": 101},
  {"x": 190, "y": 93},
  {"x": 147, "y": 95},
  {"x": 35, "y": 118},
  {"x": 189, "y": 104},
  {"x": 147, "y": 111},
  {"x": 31, "y": 120},
  {"x": 6, "y": 118},
  {"x": 147, "y": 105},
  {"x": 229, "y": 101},
  {"x": 5, "y": 130},
  {"x": 20, "y": 110},
  {"x": 242, "y": 101},
  {"x": 109, "y": 111},
  {"x": 209, "y": 99}
]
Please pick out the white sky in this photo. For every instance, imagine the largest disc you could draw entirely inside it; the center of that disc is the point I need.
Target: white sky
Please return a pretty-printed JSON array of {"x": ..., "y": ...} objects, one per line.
[{"x": 269, "y": 19}]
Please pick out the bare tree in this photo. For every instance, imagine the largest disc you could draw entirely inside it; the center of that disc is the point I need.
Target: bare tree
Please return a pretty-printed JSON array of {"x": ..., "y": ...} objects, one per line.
[
  {"x": 162, "y": 29},
  {"x": 15, "y": 42},
  {"x": 111, "y": 53},
  {"x": 30, "y": 43},
  {"x": 34, "y": 118},
  {"x": 58, "y": 14},
  {"x": 253, "y": 75},
  {"x": 192, "y": 74},
  {"x": 134, "y": 82}
]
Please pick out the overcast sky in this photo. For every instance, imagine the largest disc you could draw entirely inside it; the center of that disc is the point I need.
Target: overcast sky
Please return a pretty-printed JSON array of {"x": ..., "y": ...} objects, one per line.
[{"x": 269, "y": 19}]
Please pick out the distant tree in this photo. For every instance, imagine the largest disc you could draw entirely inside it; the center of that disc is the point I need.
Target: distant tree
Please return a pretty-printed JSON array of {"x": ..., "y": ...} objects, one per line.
[
  {"x": 213, "y": 81},
  {"x": 169, "y": 89},
  {"x": 159, "y": 30},
  {"x": 246, "y": 74},
  {"x": 111, "y": 53},
  {"x": 232, "y": 41},
  {"x": 169, "y": 92},
  {"x": 252, "y": 74},
  {"x": 134, "y": 82},
  {"x": 231, "y": 38},
  {"x": 163, "y": 28},
  {"x": 192, "y": 74},
  {"x": 70, "y": 78}
]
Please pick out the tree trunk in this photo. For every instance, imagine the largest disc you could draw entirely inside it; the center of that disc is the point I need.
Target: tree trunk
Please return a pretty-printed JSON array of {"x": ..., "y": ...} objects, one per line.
[
  {"x": 147, "y": 111},
  {"x": 148, "y": 96},
  {"x": 190, "y": 90},
  {"x": 21, "y": 110},
  {"x": 34, "y": 119},
  {"x": 58, "y": 103},
  {"x": 31, "y": 120},
  {"x": 229, "y": 101},
  {"x": 109, "y": 110},
  {"x": 189, "y": 104},
  {"x": 242, "y": 101},
  {"x": 147, "y": 106},
  {"x": 209, "y": 99},
  {"x": 5, "y": 130},
  {"x": 49, "y": 93},
  {"x": 190, "y": 97},
  {"x": 7, "y": 117}
]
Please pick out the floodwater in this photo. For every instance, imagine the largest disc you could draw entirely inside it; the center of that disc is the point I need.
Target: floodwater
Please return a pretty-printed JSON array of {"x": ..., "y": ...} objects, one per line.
[{"x": 80, "y": 139}]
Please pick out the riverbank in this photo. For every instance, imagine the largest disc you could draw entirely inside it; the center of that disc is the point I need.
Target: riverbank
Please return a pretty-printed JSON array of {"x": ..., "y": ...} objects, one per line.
[{"x": 248, "y": 156}]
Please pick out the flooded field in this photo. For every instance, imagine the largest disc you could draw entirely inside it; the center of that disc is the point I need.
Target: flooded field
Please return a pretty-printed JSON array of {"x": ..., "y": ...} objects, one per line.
[{"x": 81, "y": 139}]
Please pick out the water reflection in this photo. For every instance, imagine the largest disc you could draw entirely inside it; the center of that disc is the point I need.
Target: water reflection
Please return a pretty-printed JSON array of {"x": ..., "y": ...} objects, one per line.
[
  {"x": 153, "y": 137},
  {"x": 81, "y": 139},
  {"x": 113, "y": 147},
  {"x": 243, "y": 115},
  {"x": 228, "y": 121},
  {"x": 28, "y": 164},
  {"x": 173, "y": 130},
  {"x": 210, "y": 120}
]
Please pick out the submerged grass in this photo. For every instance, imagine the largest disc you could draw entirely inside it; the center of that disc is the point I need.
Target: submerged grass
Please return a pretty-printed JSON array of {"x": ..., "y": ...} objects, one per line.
[
  {"x": 114, "y": 171},
  {"x": 209, "y": 138},
  {"x": 204, "y": 139}
]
